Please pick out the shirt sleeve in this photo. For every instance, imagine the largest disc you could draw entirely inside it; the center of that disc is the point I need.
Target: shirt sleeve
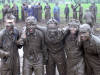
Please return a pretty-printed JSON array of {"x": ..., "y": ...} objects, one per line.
[
  {"x": 42, "y": 29},
  {"x": 44, "y": 47},
  {"x": 2, "y": 52}
]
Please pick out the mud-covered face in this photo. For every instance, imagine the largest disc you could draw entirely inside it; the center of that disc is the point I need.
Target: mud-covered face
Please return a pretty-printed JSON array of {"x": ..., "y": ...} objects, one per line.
[
  {"x": 84, "y": 36},
  {"x": 53, "y": 30},
  {"x": 9, "y": 24},
  {"x": 73, "y": 29},
  {"x": 9, "y": 14},
  {"x": 85, "y": 32},
  {"x": 31, "y": 27}
]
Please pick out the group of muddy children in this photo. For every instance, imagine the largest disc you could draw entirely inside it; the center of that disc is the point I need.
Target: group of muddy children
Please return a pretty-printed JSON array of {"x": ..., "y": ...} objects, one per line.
[{"x": 73, "y": 49}]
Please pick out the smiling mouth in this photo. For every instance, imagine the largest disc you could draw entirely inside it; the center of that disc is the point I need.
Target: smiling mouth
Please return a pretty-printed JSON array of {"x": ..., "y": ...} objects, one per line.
[
  {"x": 52, "y": 33},
  {"x": 73, "y": 31},
  {"x": 9, "y": 27},
  {"x": 31, "y": 30},
  {"x": 83, "y": 38}
]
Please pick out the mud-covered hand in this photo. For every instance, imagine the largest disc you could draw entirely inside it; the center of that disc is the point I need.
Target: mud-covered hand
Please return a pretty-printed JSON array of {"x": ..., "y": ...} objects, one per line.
[
  {"x": 20, "y": 41},
  {"x": 23, "y": 35},
  {"x": 7, "y": 54},
  {"x": 79, "y": 41},
  {"x": 65, "y": 30},
  {"x": 45, "y": 61}
]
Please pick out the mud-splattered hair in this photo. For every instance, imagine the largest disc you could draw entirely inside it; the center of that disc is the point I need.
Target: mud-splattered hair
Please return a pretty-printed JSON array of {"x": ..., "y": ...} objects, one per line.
[{"x": 31, "y": 19}]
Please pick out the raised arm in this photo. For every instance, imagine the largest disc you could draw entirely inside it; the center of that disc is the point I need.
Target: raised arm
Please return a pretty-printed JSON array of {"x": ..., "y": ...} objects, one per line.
[
  {"x": 65, "y": 30},
  {"x": 76, "y": 6},
  {"x": 22, "y": 38},
  {"x": 42, "y": 29}
]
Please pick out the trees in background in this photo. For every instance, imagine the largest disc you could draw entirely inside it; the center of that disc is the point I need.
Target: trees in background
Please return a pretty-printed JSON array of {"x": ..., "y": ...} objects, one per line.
[
  {"x": 3, "y": 1},
  {"x": 51, "y": 1},
  {"x": 82, "y": 1},
  {"x": 86, "y": 1},
  {"x": 8, "y": 1}
]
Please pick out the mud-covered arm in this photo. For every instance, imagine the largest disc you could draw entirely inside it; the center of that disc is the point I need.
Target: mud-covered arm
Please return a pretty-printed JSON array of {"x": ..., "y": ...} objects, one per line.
[
  {"x": 2, "y": 52},
  {"x": 76, "y": 6},
  {"x": 20, "y": 42},
  {"x": 79, "y": 42},
  {"x": 22, "y": 38},
  {"x": 44, "y": 47},
  {"x": 65, "y": 30},
  {"x": 18, "y": 34},
  {"x": 42, "y": 29}
]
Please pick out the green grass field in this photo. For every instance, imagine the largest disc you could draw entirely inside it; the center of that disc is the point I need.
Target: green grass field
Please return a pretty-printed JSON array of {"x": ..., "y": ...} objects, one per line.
[{"x": 62, "y": 6}]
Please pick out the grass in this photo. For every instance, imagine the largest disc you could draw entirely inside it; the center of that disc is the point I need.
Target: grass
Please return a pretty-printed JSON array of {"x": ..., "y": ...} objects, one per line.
[{"x": 62, "y": 6}]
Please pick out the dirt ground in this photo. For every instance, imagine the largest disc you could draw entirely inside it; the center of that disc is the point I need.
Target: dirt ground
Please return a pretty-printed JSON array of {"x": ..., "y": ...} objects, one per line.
[{"x": 62, "y": 24}]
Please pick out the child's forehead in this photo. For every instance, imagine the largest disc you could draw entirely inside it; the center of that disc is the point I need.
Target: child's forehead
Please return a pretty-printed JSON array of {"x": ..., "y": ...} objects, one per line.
[
  {"x": 51, "y": 25},
  {"x": 83, "y": 31},
  {"x": 73, "y": 25},
  {"x": 10, "y": 20}
]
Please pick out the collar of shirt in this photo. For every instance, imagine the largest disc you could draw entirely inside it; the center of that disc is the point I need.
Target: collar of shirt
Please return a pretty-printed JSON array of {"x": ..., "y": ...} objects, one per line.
[{"x": 7, "y": 33}]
